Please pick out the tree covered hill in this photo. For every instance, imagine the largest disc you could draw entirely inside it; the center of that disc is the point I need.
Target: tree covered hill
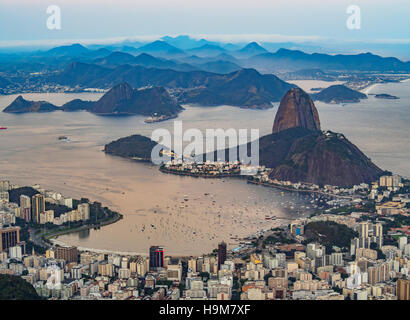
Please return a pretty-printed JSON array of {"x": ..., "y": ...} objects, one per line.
[
  {"x": 329, "y": 233},
  {"x": 16, "y": 288}
]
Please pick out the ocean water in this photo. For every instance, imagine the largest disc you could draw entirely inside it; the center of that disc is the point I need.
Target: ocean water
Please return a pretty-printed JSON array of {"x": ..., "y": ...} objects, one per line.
[{"x": 153, "y": 205}]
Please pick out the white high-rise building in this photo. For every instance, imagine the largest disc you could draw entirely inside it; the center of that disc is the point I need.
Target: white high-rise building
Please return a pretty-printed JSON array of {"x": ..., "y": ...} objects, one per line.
[
  {"x": 16, "y": 252},
  {"x": 84, "y": 210},
  {"x": 337, "y": 258},
  {"x": 402, "y": 242},
  {"x": 407, "y": 250}
]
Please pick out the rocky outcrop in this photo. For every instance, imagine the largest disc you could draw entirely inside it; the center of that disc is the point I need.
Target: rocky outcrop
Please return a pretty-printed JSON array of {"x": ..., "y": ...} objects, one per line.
[
  {"x": 123, "y": 99},
  {"x": 325, "y": 158},
  {"x": 20, "y": 105},
  {"x": 116, "y": 98},
  {"x": 296, "y": 109},
  {"x": 301, "y": 155}
]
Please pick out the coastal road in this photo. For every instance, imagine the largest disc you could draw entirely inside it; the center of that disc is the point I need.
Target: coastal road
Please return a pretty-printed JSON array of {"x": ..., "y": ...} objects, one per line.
[{"x": 37, "y": 239}]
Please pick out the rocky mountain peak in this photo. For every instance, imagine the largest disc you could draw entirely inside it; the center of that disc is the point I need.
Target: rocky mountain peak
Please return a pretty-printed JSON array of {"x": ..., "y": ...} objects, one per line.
[{"x": 296, "y": 110}]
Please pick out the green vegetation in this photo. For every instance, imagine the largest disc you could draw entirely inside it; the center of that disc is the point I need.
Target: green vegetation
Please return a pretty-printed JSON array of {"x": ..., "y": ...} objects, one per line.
[
  {"x": 277, "y": 238},
  {"x": 16, "y": 288},
  {"x": 14, "y": 194},
  {"x": 205, "y": 276},
  {"x": 347, "y": 210},
  {"x": 57, "y": 208},
  {"x": 329, "y": 234},
  {"x": 398, "y": 222},
  {"x": 135, "y": 146}
]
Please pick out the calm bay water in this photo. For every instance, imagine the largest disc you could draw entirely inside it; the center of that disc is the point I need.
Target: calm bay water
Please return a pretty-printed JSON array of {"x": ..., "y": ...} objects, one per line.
[{"x": 151, "y": 202}]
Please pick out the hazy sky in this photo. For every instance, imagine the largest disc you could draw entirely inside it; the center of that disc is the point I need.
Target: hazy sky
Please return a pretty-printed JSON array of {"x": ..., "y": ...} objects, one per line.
[{"x": 24, "y": 21}]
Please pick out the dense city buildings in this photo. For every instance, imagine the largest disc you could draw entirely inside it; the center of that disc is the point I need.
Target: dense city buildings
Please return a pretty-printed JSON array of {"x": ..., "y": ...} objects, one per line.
[{"x": 351, "y": 250}]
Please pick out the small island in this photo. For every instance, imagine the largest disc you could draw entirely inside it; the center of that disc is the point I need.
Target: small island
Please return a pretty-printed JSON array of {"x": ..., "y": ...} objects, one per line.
[
  {"x": 338, "y": 94},
  {"x": 385, "y": 96},
  {"x": 135, "y": 147}
]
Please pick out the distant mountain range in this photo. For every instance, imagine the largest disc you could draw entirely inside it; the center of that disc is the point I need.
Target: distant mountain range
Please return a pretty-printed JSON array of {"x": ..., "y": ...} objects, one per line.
[
  {"x": 118, "y": 58},
  {"x": 207, "y": 50},
  {"x": 266, "y": 58},
  {"x": 292, "y": 60},
  {"x": 70, "y": 50},
  {"x": 251, "y": 49},
  {"x": 244, "y": 88},
  {"x": 160, "y": 48}
]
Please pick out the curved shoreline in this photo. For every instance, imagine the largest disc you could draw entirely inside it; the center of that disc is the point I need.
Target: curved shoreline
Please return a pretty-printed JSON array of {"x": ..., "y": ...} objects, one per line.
[
  {"x": 127, "y": 253},
  {"x": 269, "y": 185},
  {"x": 51, "y": 235}
]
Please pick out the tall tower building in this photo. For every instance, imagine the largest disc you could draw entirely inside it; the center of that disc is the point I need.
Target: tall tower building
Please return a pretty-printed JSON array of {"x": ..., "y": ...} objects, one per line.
[
  {"x": 221, "y": 254},
  {"x": 378, "y": 233},
  {"x": 156, "y": 258},
  {"x": 364, "y": 229},
  {"x": 378, "y": 229},
  {"x": 25, "y": 208},
  {"x": 38, "y": 205}
]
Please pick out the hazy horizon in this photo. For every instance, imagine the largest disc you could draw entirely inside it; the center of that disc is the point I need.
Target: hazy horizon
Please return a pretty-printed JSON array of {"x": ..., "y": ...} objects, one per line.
[{"x": 384, "y": 26}]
